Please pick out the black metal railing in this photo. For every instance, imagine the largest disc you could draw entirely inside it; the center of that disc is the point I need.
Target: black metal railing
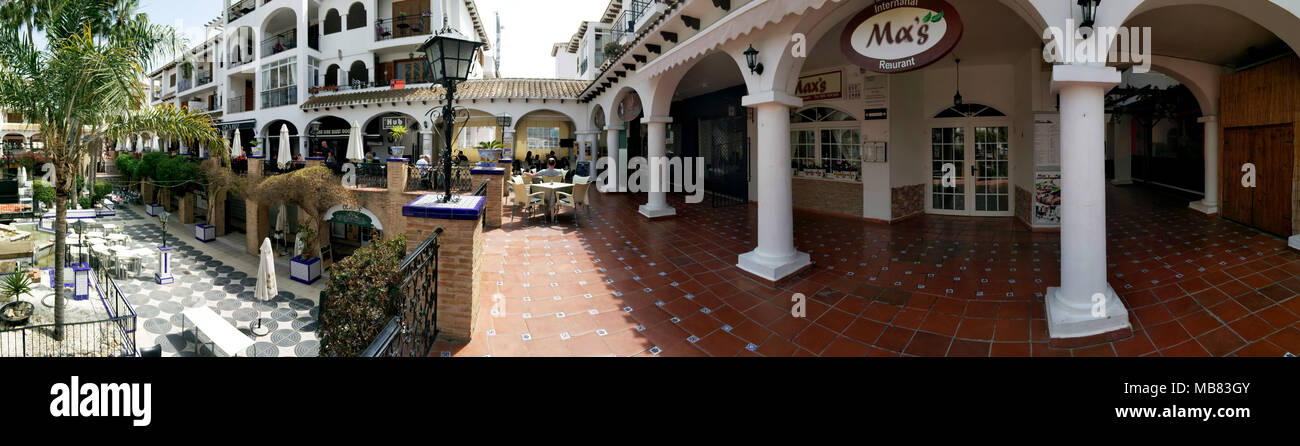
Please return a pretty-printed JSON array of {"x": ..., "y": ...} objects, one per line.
[
  {"x": 113, "y": 336},
  {"x": 348, "y": 86},
  {"x": 372, "y": 175},
  {"x": 241, "y": 9},
  {"x": 404, "y": 26},
  {"x": 238, "y": 59},
  {"x": 277, "y": 97},
  {"x": 272, "y": 167},
  {"x": 280, "y": 43},
  {"x": 626, "y": 22},
  {"x": 430, "y": 179},
  {"x": 236, "y": 104},
  {"x": 414, "y": 326},
  {"x": 185, "y": 84}
]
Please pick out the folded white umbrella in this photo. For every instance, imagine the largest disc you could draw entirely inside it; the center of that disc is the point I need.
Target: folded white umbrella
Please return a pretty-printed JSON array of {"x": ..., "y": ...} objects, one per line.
[
  {"x": 354, "y": 143},
  {"x": 22, "y": 175},
  {"x": 237, "y": 148},
  {"x": 266, "y": 283},
  {"x": 282, "y": 220},
  {"x": 139, "y": 143},
  {"x": 283, "y": 155},
  {"x": 156, "y": 147}
]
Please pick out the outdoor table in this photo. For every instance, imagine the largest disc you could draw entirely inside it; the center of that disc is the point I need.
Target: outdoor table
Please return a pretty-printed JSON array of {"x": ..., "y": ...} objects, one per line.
[
  {"x": 94, "y": 234},
  {"x": 220, "y": 333},
  {"x": 550, "y": 189},
  {"x": 118, "y": 239}
]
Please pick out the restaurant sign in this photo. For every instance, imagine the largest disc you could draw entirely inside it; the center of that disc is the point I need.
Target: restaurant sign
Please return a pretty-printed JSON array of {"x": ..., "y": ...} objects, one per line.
[
  {"x": 821, "y": 86},
  {"x": 896, "y": 36}
]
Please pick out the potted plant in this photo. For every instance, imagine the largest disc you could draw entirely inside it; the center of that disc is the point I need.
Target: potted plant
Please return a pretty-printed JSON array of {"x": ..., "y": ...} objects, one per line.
[
  {"x": 14, "y": 286},
  {"x": 305, "y": 267},
  {"x": 395, "y": 136}
]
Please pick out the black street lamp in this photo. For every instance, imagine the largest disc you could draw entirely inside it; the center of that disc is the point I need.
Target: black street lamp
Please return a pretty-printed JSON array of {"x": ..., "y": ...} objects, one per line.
[
  {"x": 751, "y": 58},
  {"x": 451, "y": 57},
  {"x": 1089, "y": 8}
]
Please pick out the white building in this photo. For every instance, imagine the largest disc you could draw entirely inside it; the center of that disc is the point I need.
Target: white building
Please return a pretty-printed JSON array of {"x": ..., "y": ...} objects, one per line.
[{"x": 785, "y": 112}]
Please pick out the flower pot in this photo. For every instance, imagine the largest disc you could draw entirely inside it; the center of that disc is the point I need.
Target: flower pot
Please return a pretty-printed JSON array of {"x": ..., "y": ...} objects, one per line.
[
  {"x": 304, "y": 270},
  {"x": 17, "y": 313},
  {"x": 397, "y": 151}
]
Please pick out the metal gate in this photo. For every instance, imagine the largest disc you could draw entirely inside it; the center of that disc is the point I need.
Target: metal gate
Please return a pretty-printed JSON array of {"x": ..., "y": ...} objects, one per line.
[{"x": 727, "y": 146}]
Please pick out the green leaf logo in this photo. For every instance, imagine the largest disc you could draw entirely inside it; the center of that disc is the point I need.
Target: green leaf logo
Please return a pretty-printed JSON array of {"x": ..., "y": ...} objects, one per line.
[
  {"x": 937, "y": 17},
  {"x": 928, "y": 18}
]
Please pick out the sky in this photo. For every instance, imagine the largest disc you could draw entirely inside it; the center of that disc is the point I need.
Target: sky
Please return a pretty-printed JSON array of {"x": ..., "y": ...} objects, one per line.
[{"x": 530, "y": 26}]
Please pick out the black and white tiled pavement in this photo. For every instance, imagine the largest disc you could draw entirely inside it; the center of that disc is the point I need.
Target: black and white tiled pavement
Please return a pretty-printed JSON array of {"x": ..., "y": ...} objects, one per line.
[{"x": 204, "y": 280}]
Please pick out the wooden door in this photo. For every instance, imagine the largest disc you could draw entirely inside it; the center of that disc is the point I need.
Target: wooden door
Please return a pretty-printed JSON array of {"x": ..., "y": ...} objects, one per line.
[
  {"x": 1268, "y": 205},
  {"x": 1273, "y": 152},
  {"x": 1238, "y": 148},
  {"x": 250, "y": 100}
]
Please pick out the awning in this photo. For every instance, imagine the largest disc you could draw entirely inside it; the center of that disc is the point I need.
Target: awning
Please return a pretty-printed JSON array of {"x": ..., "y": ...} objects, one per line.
[{"x": 250, "y": 124}]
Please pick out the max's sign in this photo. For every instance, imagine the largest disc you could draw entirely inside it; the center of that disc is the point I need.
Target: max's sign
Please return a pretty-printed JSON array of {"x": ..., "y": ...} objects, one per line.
[{"x": 895, "y": 36}]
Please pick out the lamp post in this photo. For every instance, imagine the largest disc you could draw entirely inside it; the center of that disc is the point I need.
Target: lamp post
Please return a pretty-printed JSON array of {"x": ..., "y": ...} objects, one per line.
[
  {"x": 1089, "y": 8},
  {"x": 451, "y": 57},
  {"x": 503, "y": 121}
]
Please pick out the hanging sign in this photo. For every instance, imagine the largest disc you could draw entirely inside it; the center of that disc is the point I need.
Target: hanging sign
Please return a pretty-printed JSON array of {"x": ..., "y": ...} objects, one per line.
[
  {"x": 353, "y": 218},
  {"x": 821, "y": 86},
  {"x": 629, "y": 108},
  {"x": 896, "y": 36}
]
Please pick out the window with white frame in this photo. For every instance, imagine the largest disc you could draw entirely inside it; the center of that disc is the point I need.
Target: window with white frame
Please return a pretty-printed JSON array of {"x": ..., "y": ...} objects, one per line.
[
  {"x": 825, "y": 143},
  {"x": 471, "y": 137},
  {"x": 279, "y": 74},
  {"x": 547, "y": 138}
]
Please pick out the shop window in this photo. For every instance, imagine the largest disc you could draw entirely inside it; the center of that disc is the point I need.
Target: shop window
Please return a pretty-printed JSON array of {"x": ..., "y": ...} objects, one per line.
[
  {"x": 819, "y": 114},
  {"x": 803, "y": 152},
  {"x": 543, "y": 138},
  {"x": 471, "y": 137}
]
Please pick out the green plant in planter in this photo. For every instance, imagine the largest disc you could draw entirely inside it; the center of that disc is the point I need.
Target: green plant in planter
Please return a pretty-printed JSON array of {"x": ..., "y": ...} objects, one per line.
[
  {"x": 15, "y": 285},
  {"x": 308, "y": 241},
  {"x": 612, "y": 50},
  {"x": 396, "y": 134}
]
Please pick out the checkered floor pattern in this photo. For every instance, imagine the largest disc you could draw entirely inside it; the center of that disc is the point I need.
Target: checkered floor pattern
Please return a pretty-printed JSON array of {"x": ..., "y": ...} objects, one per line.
[{"x": 203, "y": 280}]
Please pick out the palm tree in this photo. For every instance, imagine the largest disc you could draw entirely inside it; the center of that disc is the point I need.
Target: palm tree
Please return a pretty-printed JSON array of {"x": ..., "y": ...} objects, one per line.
[{"x": 82, "y": 88}]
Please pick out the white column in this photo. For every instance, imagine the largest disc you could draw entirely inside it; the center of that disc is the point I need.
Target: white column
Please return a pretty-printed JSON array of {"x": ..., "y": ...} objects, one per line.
[
  {"x": 775, "y": 258},
  {"x": 1084, "y": 305},
  {"x": 656, "y": 205},
  {"x": 1123, "y": 151},
  {"x": 1210, "y": 204},
  {"x": 303, "y": 67},
  {"x": 617, "y": 158}
]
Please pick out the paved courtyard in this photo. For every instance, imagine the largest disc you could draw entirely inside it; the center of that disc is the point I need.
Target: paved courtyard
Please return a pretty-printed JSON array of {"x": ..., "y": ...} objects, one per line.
[
  {"x": 220, "y": 277},
  {"x": 929, "y": 286}
]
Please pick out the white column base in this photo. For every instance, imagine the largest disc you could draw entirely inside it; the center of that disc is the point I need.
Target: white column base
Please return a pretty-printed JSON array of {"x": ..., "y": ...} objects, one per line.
[
  {"x": 1065, "y": 321},
  {"x": 1293, "y": 242},
  {"x": 1119, "y": 182},
  {"x": 773, "y": 268},
  {"x": 649, "y": 212},
  {"x": 1204, "y": 208}
]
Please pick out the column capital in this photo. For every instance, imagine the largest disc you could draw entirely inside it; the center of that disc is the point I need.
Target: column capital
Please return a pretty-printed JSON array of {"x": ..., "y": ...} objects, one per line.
[
  {"x": 1083, "y": 75},
  {"x": 657, "y": 120},
  {"x": 767, "y": 97},
  {"x": 1208, "y": 119}
]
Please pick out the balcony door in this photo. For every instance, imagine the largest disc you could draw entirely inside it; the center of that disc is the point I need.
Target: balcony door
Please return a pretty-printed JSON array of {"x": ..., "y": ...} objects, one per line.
[{"x": 409, "y": 18}]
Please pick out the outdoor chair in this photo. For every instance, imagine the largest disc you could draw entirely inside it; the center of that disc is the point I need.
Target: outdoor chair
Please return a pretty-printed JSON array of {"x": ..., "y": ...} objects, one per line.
[
  {"x": 383, "y": 32},
  {"x": 151, "y": 352},
  {"x": 581, "y": 179},
  {"x": 524, "y": 201},
  {"x": 552, "y": 179},
  {"x": 575, "y": 200}
]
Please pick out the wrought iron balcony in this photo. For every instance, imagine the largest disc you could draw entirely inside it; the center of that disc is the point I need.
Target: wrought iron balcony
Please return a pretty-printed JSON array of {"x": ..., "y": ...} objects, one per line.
[
  {"x": 404, "y": 26},
  {"x": 241, "y": 9},
  {"x": 280, "y": 43},
  {"x": 280, "y": 96}
]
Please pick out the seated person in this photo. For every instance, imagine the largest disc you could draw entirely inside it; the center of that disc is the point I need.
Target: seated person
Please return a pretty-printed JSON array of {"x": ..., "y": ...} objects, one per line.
[
  {"x": 550, "y": 170},
  {"x": 423, "y": 164}
]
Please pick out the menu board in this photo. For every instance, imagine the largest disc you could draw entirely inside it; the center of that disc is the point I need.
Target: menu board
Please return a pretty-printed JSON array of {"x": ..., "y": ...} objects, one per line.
[
  {"x": 1047, "y": 141},
  {"x": 1047, "y": 199}
]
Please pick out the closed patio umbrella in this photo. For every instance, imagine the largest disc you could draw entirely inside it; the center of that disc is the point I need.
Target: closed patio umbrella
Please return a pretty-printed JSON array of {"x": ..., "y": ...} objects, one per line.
[
  {"x": 283, "y": 156},
  {"x": 156, "y": 147},
  {"x": 237, "y": 145},
  {"x": 282, "y": 223},
  {"x": 354, "y": 143},
  {"x": 266, "y": 284},
  {"x": 139, "y": 143},
  {"x": 22, "y": 175}
]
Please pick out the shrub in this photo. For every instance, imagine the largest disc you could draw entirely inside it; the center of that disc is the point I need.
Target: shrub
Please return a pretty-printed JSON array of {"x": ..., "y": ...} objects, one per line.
[
  {"x": 178, "y": 174},
  {"x": 149, "y": 164},
  {"x": 102, "y": 190},
  {"x": 358, "y": 301},
  {"x": 43, "y": 192},
  {"x": 128, "y": 165},
  {"x": 85, "y": 202},
  {"x": 612, "y": 50}
]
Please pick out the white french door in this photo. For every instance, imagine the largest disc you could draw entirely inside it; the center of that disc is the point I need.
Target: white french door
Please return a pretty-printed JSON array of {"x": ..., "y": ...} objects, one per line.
[{"x": 970, "y": 164}]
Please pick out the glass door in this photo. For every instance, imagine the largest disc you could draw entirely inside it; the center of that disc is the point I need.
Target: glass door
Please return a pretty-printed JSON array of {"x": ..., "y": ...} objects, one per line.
[{"x": 970, "y": 171}]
